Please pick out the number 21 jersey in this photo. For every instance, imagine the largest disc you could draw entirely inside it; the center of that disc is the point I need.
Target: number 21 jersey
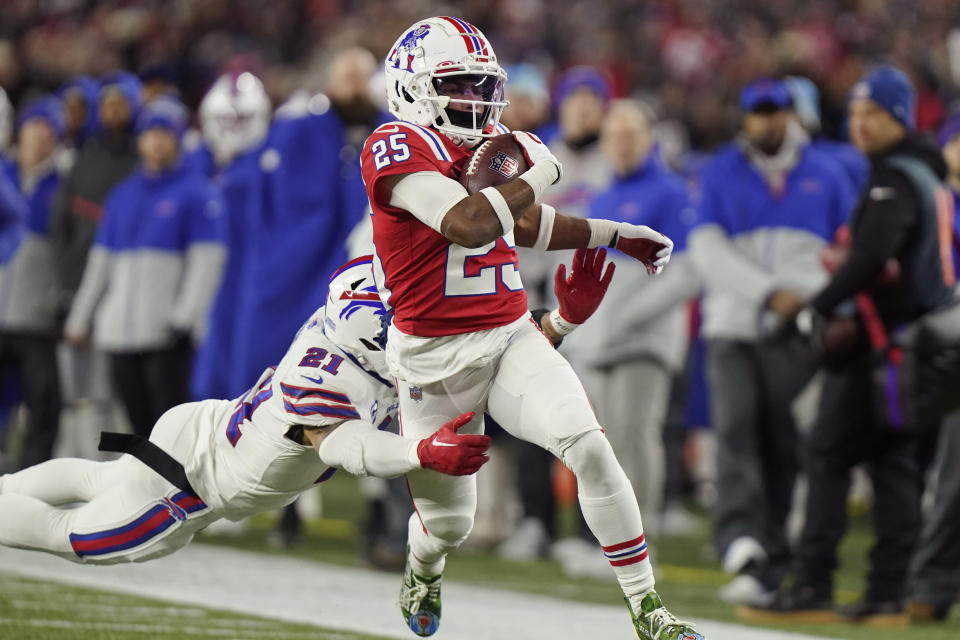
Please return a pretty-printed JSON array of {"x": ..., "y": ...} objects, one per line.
[{"x": 434, "y": 286}]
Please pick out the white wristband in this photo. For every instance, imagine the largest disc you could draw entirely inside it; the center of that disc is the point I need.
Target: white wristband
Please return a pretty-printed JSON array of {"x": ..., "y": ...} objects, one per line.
[
  {"x": 602, "y": 232},
  {"x": 539, "y": 177},
  {"x": 561, "y": 326},
  {"x": 500, "y": 207},
  {"x": 548, "y": 216}
]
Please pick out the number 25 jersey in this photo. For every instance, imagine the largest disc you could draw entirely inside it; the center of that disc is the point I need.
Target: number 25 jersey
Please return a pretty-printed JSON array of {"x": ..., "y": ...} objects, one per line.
[{"x": 434, "y": 286}]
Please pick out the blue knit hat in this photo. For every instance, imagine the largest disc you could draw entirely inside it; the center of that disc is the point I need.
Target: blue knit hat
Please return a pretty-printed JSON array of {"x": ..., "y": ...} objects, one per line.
[
  {"x": 891, "y": 89},
  {"x": 949, "y": 130},
  {"x": 48, "y": 108},
  {"x": 165, "y": 112},
  {"x": 128, "y": 85},
  {"x": 89, "y": 89},
  {"x": 582, "y": 76},
  {"x": 765, "y": 91}
]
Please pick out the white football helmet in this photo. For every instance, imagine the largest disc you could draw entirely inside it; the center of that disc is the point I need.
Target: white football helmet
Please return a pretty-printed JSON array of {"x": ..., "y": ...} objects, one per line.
[
  {"x": 355, "y": 315},
  {"x": 234, "y": 115},
  {"x": 435, "y": 60}
]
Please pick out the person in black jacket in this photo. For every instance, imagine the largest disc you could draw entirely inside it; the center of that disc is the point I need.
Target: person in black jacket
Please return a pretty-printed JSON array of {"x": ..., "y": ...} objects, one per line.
[{"x": 894, "y": 256}]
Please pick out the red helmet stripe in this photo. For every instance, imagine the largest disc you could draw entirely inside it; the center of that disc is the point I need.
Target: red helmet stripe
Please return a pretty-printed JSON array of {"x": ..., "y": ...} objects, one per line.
[
  {"x": 360, "y": 295},
  {"x": 355, "y": 261},
  {"x": 466, "y": 32}
]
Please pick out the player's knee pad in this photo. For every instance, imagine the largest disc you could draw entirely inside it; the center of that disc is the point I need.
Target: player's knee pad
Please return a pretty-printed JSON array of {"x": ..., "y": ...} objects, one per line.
[
  {"x": 592, "y": 460},
  {"x": 451, "y": 528}
]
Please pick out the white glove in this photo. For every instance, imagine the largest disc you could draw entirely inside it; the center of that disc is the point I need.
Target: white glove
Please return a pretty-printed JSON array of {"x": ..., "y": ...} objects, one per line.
[
  {"x": 544, "y": 170},
  {"x": 650, "y": 247}
]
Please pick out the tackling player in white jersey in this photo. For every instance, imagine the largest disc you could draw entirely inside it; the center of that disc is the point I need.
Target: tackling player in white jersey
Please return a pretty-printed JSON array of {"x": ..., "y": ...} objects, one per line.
[
  {"x": 461, "y": 339},
  {"x": 233, "y": 458}
]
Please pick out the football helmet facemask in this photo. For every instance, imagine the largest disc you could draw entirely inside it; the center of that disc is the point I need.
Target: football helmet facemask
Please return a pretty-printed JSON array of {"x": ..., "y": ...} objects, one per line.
[{"x": 443, "y": 73}]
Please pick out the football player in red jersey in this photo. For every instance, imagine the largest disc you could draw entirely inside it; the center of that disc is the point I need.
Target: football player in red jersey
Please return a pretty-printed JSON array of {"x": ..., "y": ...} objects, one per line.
[{"x": 461, "y": 338}]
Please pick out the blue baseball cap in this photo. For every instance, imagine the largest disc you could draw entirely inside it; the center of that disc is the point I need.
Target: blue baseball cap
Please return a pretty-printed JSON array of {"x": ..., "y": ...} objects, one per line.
[
  {"x": 48, "y": 108},
  {"x": 164, "y": 112},
  {"x": 578, "y": 77},
  {"x": 949, "y": 130},
  {"x": 765, "y": 91},
  {"x": 891, "y": 89}
]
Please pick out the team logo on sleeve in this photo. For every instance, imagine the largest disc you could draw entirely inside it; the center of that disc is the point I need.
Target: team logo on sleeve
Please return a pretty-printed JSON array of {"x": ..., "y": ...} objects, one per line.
[{"x": 504, "y": 165}]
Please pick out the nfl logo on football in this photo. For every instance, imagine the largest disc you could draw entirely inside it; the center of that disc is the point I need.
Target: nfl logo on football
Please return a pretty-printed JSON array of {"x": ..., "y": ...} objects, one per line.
[{"x": 504, "y": 165}]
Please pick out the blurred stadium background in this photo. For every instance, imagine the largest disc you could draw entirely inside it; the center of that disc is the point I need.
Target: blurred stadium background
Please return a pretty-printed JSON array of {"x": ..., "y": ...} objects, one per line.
[{"x": 686, "y": 59}]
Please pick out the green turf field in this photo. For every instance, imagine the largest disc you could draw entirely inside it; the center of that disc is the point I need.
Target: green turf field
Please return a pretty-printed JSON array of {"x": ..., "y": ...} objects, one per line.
[
  {"x": 688, "y": 573},
  {"x": 36, "y": 610},
  {"x": 688, "y": 580}
]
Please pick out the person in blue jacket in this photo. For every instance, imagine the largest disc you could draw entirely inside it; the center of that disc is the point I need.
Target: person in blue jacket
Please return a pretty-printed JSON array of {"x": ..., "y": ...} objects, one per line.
[
  {"x": 153, "y": 271},
  {"x": 29, "y": 289},
  {"x": 235, "y": 119},
  {"x": 768, "y": 203},
  {"x": 628, "y": 366},
  {"x": 313, "y": 198}
]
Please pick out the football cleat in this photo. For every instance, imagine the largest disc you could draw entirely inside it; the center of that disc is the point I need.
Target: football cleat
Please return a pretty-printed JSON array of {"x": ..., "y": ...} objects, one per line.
[
  {"x": 420, "y": 601},
  {"x": 654, "y": 622}
]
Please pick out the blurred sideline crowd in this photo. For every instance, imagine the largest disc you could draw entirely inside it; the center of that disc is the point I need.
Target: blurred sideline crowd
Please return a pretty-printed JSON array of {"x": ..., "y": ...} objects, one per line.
[{"x": 152, "y": 253}]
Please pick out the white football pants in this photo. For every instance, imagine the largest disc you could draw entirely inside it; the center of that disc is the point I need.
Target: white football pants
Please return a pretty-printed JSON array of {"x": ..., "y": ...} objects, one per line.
[
  {"x": 533, "y": 393},
  {"x": 129, "y": 512}
]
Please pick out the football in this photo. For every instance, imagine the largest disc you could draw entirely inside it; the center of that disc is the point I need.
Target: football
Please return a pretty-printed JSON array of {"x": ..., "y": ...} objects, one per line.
[{"x": 496, "y": 161}]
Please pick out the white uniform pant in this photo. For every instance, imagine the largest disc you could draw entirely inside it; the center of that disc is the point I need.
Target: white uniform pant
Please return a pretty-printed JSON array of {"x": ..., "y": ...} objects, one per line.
[
  {"x": 530, "y": 390},
  {"x": 129, "y": 513}
]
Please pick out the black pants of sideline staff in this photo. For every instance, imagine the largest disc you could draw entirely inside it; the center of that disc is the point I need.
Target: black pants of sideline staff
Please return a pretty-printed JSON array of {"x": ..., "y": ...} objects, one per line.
[
  {"x": 935, "y": 567},
  {"x": 151, "y": 382},
  {"x": 33, "y": 360},
  {"x": 846, "y": 434}
]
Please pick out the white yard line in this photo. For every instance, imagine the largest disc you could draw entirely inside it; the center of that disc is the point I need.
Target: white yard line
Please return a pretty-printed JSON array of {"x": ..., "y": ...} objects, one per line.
[{"x": 346, "y": 598}]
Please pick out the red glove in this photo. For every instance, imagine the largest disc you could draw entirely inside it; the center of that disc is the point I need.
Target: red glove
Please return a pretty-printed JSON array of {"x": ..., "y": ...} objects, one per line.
[
  {"x": 580, "y": 294},
  {"x": 449, "y": 452}
]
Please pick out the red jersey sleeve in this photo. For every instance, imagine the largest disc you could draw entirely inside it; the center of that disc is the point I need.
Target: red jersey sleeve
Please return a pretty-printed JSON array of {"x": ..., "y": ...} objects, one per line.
[{"x": 397, "y": 148}]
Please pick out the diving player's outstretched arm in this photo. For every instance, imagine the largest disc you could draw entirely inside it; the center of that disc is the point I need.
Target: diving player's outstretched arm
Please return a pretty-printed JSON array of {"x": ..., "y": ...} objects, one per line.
[{"x": 361, "y": 449}]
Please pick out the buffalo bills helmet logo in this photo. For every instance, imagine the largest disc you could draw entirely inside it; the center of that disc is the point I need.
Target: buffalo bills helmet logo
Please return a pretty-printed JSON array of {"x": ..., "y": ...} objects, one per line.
[{"x": 366, "y": 297}]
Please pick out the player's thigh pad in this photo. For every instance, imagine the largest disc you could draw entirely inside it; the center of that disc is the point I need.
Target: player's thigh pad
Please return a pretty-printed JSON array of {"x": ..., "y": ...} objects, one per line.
[
  {"x": 445, "y": 505},
  {"x": 536, "y": 396},
  {"x": 424, "y": 409},
  {"x": 139, "y": 518}
]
